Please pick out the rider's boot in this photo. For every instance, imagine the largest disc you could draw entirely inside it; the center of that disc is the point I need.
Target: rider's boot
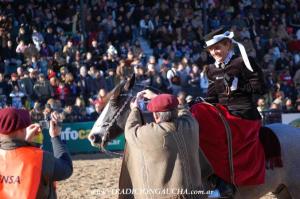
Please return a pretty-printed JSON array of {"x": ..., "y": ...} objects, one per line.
[
  {"x": 226, "y": 189},
  {"x": 222, "y": 189}
]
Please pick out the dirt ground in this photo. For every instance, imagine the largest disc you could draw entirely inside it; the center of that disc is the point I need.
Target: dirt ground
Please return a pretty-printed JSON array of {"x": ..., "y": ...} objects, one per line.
[{"x": 95, "y": 176}]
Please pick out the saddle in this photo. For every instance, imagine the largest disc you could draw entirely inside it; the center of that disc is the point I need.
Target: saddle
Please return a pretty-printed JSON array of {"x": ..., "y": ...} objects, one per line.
[{"x": 234, "y": 152}]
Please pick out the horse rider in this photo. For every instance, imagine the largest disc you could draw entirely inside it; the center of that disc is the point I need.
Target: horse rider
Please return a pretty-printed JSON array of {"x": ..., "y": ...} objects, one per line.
[
  {"x": 27, "y": 171},
  {"x": 234, "y": 81},
  {"x": 160, "y": 159}
]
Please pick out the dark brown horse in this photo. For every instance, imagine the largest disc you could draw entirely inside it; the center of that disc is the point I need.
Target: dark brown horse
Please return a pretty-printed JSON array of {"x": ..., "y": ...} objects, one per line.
[{"x": 112, "y": 121}]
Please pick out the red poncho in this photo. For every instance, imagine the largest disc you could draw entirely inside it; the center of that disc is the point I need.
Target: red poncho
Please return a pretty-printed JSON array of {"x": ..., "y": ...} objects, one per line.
[{"x": 248, "y": 154}]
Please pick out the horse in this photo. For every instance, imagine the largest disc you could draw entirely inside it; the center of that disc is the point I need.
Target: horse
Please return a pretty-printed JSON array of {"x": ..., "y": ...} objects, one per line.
[{"x": 111, "y": 123}]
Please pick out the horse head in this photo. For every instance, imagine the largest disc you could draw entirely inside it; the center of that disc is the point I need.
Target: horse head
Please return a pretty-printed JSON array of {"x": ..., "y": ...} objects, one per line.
[{"x": 112, "y": 119}]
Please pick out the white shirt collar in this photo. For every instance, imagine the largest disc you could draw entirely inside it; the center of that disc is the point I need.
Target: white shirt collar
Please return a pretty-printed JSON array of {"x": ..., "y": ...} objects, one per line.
[{"x": 227, "y": 59}]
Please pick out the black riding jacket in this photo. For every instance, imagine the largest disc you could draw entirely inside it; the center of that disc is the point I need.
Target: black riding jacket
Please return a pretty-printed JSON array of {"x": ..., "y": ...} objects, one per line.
[{"x": 239, "y": 101}]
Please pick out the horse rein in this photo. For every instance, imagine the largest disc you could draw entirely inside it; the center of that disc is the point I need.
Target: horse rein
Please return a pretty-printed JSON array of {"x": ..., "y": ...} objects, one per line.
[{"x": 229, "y": 140}]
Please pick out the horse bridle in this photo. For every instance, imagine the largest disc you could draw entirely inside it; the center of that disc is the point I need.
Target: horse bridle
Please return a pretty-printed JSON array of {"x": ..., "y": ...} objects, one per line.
[{"x": 110, "y": 124}]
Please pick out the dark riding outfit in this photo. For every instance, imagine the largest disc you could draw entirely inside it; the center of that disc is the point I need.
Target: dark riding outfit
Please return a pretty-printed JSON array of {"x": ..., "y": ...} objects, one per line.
[{"x": 233, "y": 86}]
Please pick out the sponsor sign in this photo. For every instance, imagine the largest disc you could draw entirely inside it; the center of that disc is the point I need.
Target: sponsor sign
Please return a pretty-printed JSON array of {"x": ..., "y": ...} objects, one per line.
[{"x": 75, "y": 136}]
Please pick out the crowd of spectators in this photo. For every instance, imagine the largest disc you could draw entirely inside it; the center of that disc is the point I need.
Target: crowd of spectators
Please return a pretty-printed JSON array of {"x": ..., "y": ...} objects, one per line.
[{"x": 68, "y": 54}]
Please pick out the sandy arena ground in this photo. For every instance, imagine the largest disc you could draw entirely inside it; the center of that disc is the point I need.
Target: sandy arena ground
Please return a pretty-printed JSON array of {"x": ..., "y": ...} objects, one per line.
[{"x": 95, "y": 176}]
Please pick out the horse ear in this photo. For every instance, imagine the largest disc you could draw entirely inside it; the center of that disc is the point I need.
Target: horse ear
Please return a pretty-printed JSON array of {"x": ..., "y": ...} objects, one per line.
[
  {"x": 107, "y": 97},
  {"x": 116, "y": 91},
  {"x": 130, "y": 83}
]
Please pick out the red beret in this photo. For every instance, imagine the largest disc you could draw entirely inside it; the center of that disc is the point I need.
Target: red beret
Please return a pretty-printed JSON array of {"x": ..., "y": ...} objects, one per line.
[
  {"x": 162, "y": 103},
  {"x": 12, "y": 119}
]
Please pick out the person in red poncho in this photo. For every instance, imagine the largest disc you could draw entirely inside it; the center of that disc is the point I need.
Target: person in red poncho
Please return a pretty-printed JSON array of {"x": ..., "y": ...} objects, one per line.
[{"x": 234, "y": 82}]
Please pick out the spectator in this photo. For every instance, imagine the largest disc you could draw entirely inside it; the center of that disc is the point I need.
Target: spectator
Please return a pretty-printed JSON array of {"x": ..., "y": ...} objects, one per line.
[
  {"x": 30, "y": 52},
  {"x": 94, "y": 48},
  {"x": 142, "y": 78},
  {"x": 14, "y": 80},
  {"x": 50, "y": 38},
  {"x": 172, "y": 30},
  {"x": 21, "y": 48},
  {"x": 37, "y": 38},
  {"x": 69, "y": 115},
  {"x": 288, "y": 106},
  {"x": 36, "y": 113},
  {"x": 62, "y": 92},
  {"x": 33, "y": 75},
  {"x": 16, "y": 133},
  {"x": 279, "y": 98},
  {"x": 72, "y": 86},
  {"x": 174, "y": 79},
  {"x": 204, "y": 81},
  {"x": 43, "y": 89},
  {"x": 97, "y": 80},
  {"x": 183, "y": 72},
  {"x": 26, "y": 86},
  {"x": 10, "y": 58},
  {"x": 296, "y": 80},
  {"x": 63, "y": 71},
  {"x": 181, "y": 97},
  {"x": 146, "y": 26},
  {"x": 69, "y": 51},
  {"x": 79, "y": 109},
  {"x": 98, "y": 109},
  {"x": 46, "y": 51},
  {"x": 261, "y": 106},
  {"x": 16, "y": 96},
  {"x": 5, "y": 89},
  {"x": 122, "y": 71},
  {"x": 110, "y": 80},
  {"x": 89, "y": 61},
  {"x": 194, "y": 81},
  {"x": 85, "y": 84},
  {"x": 100, "y": 100},
  {"x": 108, "y": 24},
  {"x": 273, "y": 115},
  {"x": 153, "y": 77},
  {"x": 23, "y": 35},
  {"x": 57, "y": 62}
]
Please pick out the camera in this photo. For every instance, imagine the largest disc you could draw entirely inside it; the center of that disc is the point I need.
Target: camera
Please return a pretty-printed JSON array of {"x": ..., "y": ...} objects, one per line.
[{"x": 45, "y": 124}]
